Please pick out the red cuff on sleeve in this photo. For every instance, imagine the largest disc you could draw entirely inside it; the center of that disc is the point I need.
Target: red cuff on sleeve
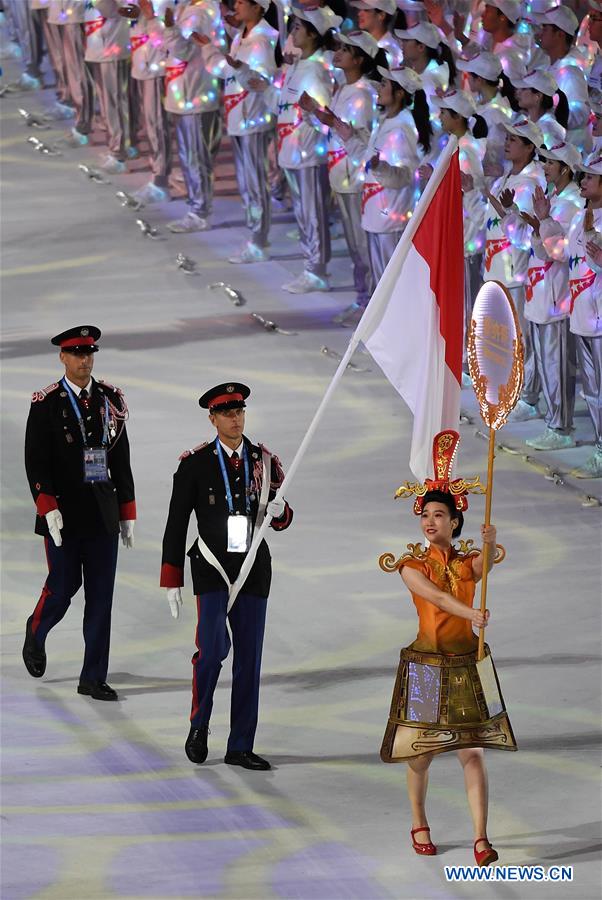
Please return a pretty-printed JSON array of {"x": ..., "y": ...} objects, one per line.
[
  {"x": 171, "y": 576},
  {"x": 284, "y": 521},
  {"x": 127, "y": 511},
  {"x": 45, "y": 503}
]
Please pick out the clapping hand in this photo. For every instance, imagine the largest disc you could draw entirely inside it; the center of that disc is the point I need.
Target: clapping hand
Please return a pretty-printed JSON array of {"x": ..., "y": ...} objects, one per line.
[
  {"x": 588, "y": 219},
  {"x": 326, "y": 116},
  {"x": 541, "y": 204},
  {"x": 533, "y": 221},
  {"x": 343, "y": 129},
  {"x": 467, "y": 182},
  {"x": 201, "y": 39},
  {"x": 594, "y": 251},
  {"x": 233, "y": 63},
  {"x": 258, "y": 84},
  {"x": 131, "y": 11},
  {"x": 307, "y": 103},
  {"x": 168, "y": 17},
  {"x": 507, "y": 198}
]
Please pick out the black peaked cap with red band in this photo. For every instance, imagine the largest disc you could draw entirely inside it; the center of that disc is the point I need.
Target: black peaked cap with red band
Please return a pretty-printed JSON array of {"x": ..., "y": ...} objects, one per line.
[
  {"x": 81, "y": 339},
  {"x": 231, "y": 395}
]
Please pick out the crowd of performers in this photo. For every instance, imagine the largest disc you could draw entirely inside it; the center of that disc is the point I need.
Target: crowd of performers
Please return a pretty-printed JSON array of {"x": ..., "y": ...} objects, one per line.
[{"x": 342, "y": 111}]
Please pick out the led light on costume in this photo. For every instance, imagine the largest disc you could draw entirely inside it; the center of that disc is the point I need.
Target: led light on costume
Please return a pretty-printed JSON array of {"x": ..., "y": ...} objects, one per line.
[
  {"x": 355, "y": 104},
  {"x": 190, "y": 84},
  {"x": 107, "y": 33},
  {"x": 147, "y": 38},
  {"x": 302, "y": 140},
  {"x": 547, "y": 294},
  {"x": 391, "y": 191},
  {"x": 246, "y": 111},
  {"x": 66, "y": 12},
  {"x": 585, "y": 279}
]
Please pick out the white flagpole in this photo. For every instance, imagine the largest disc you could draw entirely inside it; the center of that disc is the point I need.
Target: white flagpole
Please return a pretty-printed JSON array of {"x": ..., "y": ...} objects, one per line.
[{"x": 367, "y": 323}]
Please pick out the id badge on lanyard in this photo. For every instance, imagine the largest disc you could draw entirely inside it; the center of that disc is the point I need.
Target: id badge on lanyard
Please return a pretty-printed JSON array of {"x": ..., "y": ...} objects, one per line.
[
  {"x": 239, "y": 534},
  {"x": 95, "y": 465}
]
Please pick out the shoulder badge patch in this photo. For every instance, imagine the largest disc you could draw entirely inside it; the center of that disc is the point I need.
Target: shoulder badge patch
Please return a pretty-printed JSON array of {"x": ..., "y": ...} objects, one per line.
[
  {"x": 192, "y": 451},
  {"x": 37, "y": 396}
]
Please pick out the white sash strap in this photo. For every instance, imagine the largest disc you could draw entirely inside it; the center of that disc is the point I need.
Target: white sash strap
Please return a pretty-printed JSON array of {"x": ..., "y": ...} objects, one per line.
[{"x": 209, "y": 555}]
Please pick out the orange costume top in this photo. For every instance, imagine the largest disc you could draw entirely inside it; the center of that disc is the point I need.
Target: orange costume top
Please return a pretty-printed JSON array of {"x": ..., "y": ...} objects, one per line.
[{"x": 439, "y": 631}]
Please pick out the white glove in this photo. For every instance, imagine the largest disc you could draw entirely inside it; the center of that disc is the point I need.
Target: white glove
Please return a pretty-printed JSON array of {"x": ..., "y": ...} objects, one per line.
[
  {"x": 275, "y": 508},
  {"x": 174, "y": 598},
  {"x": 127, "y": 532},
  {"x": 54, "y": 520}
]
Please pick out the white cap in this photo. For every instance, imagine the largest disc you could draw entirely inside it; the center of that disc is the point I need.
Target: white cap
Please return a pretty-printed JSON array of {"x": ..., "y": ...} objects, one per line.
[
  {"x": 563, "y": 152},
  {"x": 538, "y": 80},
  {"x": 592, "y": 165},
  {"x": 510, "y": 8},
  {"x": 485, "y": 64},
  {"x": 387, "y": 6},
  {"x": 406, "y": 77},
  {"x": 525, "y": 128},
  {"x": 321, "y": 18},
  {"x": 460, "y": 101},
  {"x": 561, "y": 16},
  {"x": 596, "y": 5},
  {"x": 265, "y": 4},
  {"x": 424, "y": 32},
  {"x": 360, "y": 39}
]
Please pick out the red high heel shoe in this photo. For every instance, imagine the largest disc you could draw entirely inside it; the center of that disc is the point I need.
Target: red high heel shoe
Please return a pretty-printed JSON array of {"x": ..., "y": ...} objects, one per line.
[
  {"x": 487, "y": 856},
  {"x": 427, "y": 849}
]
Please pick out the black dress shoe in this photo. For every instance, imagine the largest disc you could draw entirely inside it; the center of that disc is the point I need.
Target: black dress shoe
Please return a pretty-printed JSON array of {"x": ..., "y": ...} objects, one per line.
[
  {"x": 99, "y": 691},
  {"x": 247, "y": 760},
  {"x": 34, "y": 656},
  {"x": 196, "y": 744}
]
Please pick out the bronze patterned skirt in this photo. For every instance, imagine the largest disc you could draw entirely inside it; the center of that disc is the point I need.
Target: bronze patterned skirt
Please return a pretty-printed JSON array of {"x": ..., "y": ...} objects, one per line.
[{"x": 445, "y": 703}]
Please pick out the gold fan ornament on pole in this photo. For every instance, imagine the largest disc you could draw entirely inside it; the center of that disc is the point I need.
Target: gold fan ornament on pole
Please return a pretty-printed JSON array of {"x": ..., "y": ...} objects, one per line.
[{"x": 496, "y": 363}]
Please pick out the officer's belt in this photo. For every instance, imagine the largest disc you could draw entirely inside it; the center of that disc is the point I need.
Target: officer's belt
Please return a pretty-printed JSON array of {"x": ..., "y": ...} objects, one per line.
[{"x": 208, "y": 554}]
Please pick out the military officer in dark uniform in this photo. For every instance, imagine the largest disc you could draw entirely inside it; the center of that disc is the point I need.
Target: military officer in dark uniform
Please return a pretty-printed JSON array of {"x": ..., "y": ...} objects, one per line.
[
  {"x": 230, "y": 485},
  {"x": 77, "y": 459}
]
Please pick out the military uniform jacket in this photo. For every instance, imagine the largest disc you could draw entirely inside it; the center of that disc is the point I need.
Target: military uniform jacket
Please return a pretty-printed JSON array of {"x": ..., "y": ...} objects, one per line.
[
  {"x": 55, "y": 468},
  {"x": 198, "y": 486}
]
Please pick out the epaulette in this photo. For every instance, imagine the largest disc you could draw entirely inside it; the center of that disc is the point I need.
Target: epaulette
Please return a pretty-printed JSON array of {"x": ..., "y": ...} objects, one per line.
[
  {"x": 192, "y": 451},
  {"x": 111, "y": 387},
  {"x": 120, "y": 413},
  {"x": 39, "y": 395}
]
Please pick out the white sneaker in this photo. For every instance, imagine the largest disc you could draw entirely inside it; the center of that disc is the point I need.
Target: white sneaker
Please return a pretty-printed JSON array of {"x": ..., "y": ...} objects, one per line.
[
  {"x": 190, "y": 222},
  {"x": 78, "y": 138},
  {"x": 307, "y": 283},
  {"x": 523, "y": 412},
  {"x": 62, "y": 111},
  {"x": 592, "y": 468},
  {"x": 112, "y": 166},
  {"x": 294, "y": 234},
  {"x": 551, "y": 440},
  {"x": 250, "y": 253},
  {"x": 29, "y": 83},
  {"x": 151, "y": 193}
]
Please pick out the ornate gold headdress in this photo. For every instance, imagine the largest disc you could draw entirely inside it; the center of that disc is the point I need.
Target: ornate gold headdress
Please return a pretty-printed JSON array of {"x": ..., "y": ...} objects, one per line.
[{"x": 445, "y": 445}]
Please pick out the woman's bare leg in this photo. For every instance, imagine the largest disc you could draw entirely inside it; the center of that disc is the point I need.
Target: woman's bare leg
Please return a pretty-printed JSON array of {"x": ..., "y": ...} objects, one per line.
[
  {"x": 418, "y": 779},
  {"x": 477, "y": 789}
]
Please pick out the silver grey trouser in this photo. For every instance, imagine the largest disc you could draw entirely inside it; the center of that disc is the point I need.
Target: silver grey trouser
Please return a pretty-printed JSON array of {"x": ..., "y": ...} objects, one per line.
[
  {"x": 112, "y": 85},
  {"x": 27, "y": 35},
  {"x": 79, "y": 77},
  {"x": 589, "y": 359},
  {"x": 350, "y": 207},
  {"x": 473, "y": 279},
  {"x": 251, "y": 164},
  {"x": 157, "y": 127},
  {"x": 52, "y": 36},
  {"x": 198, "y": 138},
  {"x": 531, "y": 382},
  {"x": 310, "y": 190},
  {"x": 554, "y": 347},
  {"x": 380, "y": 251}
]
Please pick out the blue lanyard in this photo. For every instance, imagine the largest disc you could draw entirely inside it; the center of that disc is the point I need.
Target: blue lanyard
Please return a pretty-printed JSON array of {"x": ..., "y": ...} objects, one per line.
[
  {"x": 222, "y": 464},
  {"x": 80, "y": 421}
]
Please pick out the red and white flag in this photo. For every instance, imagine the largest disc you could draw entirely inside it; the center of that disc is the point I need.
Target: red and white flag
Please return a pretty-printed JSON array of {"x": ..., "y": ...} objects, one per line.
[{"x": 413, "y": 324}]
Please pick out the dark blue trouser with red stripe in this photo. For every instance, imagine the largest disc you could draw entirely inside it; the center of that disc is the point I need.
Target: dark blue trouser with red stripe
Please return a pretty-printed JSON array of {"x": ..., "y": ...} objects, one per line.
[
  {"x": 247, "y": 622},
  {"x": 92, "y": 561}
]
